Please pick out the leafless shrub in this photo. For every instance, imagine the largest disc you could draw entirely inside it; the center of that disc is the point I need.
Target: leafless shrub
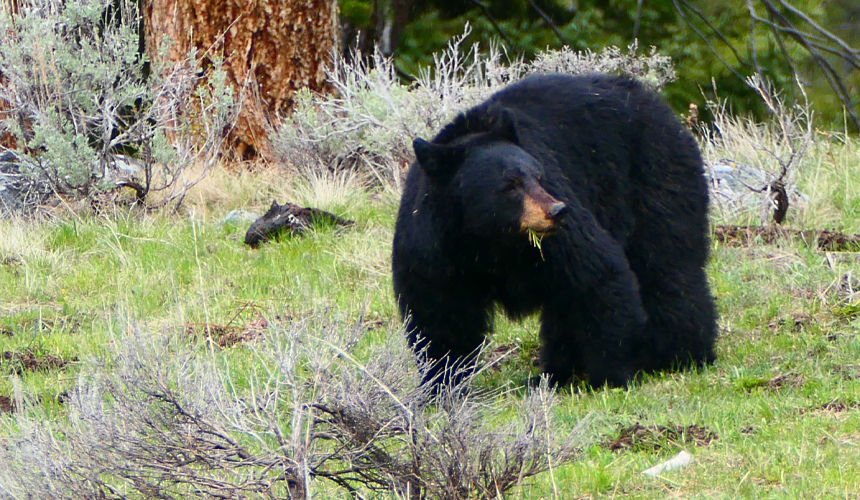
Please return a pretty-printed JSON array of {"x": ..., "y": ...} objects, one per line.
[
  {"x": 87, "y": 119},
  {"x": 753, "y": 167},
  {"x": 424, "y": 447},
  {"x": 369, "y": 122},
  {"x": 165, "y": 420},
  {"x": 654, "y": 69}
]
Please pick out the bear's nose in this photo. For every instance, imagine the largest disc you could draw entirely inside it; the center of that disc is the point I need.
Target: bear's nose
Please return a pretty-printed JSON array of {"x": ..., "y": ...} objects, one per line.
[{"x": 557, "y": 211}]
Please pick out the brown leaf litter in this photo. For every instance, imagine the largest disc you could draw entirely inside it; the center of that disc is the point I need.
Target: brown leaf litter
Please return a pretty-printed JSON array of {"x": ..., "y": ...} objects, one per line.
[
  {"x": 655, "y": 437},
  {"x": 20, "y": 362},
  {"x": 828, "y": 241}
]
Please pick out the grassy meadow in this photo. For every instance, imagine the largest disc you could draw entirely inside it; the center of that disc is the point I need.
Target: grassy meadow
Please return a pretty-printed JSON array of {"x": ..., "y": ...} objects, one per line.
[{"x": 778, "y": 416}]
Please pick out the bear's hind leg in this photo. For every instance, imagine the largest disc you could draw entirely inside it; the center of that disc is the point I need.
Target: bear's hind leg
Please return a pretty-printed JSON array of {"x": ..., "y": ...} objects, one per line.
[
  {"x": 575, "y": 342},
  {"x": 682, "y": 328},
  {"x": 560, "y": 351}
]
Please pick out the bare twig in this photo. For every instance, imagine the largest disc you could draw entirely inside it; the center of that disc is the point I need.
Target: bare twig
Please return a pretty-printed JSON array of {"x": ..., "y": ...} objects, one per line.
[
  {"x": 833, "y": 77},
  {"x": 495, "y": 23},
  {"x": 549, "y": 23},
  {"x": 816, "y": 41},
  {"x": 707, "y": 40},
  {"x": 766, "y": 158}
]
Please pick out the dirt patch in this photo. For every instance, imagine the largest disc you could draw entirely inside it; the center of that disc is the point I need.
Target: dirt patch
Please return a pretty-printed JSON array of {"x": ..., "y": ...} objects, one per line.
[
  {"x": 9, "y": 260},
  {"x": 654, "y": 437},
  {"x": 786, "y": 381},
  {"x": 27, "y": 361},
  {"x": 830, "y": 241},
  {"x": 794, "y": 323},
  {"x": 831, "y": 408},
  {"x": 67, "y": 324},
  {"x": 501, "y": 354},
  {"x": 7, "y": 405},
  {"x": 847, "y": 372},
  {"x": 227, "y": 335},
  {"x": 838, "y": 407}
]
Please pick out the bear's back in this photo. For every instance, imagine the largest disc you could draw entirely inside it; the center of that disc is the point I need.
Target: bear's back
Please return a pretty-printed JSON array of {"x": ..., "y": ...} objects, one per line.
[
  {"x": 546, "y": 102},
  {"x": 609, "y": 136}
]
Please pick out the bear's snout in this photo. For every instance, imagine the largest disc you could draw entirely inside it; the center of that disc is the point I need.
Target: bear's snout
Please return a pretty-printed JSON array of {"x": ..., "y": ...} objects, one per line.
[
  {"x": 557, "y": 211},
  {"x": 541, "y": 212}
]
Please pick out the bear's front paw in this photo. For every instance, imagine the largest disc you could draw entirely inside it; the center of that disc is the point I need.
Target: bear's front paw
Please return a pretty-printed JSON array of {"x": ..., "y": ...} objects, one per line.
[{"x": 611, "y": 377}]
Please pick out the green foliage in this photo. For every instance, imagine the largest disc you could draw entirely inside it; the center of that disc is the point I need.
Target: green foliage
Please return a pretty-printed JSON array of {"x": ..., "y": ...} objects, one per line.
[
  {"x": 714, "y": 67},
  {"x": 69, "y": 70},
  {"x": 357, "y": 12}
]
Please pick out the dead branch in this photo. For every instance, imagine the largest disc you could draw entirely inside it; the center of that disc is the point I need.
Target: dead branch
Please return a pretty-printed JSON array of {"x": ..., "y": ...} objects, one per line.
[
  {"x": 774, "y": 152},
  {"x": 495, "y": 23},
  {"x": 715, "y": 30},
  {"x": 815, "y": 41},
  {"x": 289, "y": 218},
  {"x": 549, "y": 23}
]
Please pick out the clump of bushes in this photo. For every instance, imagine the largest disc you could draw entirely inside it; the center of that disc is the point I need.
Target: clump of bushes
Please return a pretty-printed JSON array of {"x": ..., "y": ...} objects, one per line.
[
  {"x": 368, "y": 123},
  {"x": 86, "y": 112},
  {"x": 314, "y": 410}
]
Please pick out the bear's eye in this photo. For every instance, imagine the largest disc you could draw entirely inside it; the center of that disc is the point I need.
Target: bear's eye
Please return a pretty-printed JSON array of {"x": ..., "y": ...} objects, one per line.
[{"x": 514, "y": 184}]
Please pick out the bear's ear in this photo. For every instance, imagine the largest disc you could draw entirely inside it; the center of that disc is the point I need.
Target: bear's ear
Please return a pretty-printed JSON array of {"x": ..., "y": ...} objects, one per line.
[
  {"x": 436, "y": 159},
  {"x": 506, "y": 128},
  {"x": 273, "y": 209}
]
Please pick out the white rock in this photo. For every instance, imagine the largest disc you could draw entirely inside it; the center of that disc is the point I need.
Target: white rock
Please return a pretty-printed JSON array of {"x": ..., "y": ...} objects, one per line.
[{"x": 680, "y": 460}]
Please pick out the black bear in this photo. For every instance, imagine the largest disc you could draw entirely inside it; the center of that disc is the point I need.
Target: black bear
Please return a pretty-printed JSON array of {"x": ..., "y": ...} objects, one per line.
[{"x": 599, "y": 170}]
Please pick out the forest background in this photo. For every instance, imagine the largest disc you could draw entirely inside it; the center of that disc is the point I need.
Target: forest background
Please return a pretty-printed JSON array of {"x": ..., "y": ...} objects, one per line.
[{"x": 713, "y": 44}]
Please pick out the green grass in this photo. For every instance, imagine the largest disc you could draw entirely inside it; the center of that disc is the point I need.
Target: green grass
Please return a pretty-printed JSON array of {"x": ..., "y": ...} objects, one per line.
[{"x": 779, "y": 398}]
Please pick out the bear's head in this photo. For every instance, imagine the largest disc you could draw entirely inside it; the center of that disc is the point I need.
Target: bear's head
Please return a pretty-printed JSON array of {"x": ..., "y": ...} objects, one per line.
[{"x": 496, "y": 183}]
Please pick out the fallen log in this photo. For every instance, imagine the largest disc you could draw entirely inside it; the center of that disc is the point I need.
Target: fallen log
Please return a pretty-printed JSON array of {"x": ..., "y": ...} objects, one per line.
[
  {"x": 288, "y": 217},
  {"x": 828, "y": 241}
]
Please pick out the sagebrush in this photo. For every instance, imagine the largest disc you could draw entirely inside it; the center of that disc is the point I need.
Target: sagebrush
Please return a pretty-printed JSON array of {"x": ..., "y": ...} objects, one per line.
[
  {"x": 86, "y": 112},
  {"x": 368, "y": 123},
  {"x": 165, "y": 417}
]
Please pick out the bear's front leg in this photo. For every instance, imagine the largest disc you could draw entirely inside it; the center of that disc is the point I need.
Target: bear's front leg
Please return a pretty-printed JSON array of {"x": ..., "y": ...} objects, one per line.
[
  {"x": 594, "y": 315},
  {"x": 591, "y": 333},
  {"x": 447, "y": 323}
]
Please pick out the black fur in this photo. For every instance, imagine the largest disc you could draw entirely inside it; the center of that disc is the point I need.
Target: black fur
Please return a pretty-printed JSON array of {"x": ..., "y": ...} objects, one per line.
[{"x": 621, "y": 285}]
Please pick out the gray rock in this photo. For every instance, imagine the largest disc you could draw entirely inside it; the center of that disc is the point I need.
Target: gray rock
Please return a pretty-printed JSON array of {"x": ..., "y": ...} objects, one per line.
[
  {"x": 11, "y": 184},
  {"x": 738, "y": 187},
  {"x": 238, "y": 217}
]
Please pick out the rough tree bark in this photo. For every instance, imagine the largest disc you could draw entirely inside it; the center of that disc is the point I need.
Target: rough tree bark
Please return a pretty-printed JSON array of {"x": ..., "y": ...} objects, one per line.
[
  {"x": 275, "y": 47},
  {"x": 7, "y": 140}
]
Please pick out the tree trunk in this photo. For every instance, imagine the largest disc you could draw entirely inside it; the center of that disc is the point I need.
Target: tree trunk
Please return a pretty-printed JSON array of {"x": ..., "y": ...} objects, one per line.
[
  {"x": 275, "y": 47},
  {"x": 7, "y": 139}
]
